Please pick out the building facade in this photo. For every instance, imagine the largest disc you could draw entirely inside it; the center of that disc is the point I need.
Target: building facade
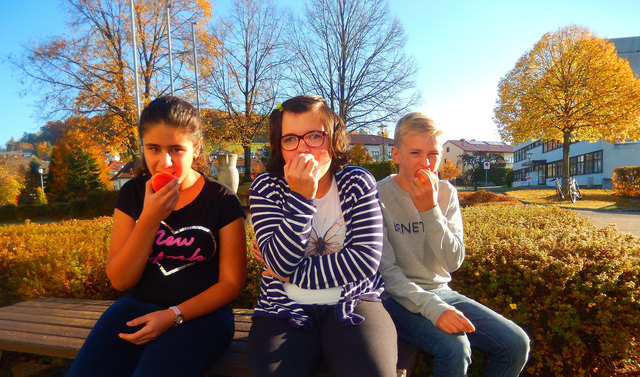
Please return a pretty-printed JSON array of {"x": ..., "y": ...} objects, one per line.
[{"x": 378, "y": 147}]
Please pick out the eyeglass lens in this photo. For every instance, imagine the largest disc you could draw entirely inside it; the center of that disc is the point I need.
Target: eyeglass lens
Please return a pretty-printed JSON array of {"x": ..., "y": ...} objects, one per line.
[{"x": 313, "y": 139}]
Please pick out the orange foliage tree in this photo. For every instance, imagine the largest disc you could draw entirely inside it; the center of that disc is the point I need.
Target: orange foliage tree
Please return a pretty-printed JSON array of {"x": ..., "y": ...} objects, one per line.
[
  {"x": 359, "y": 154},
  {"x": 449, "y": 170},
  {"x": 74, "y": 171},
  {"x": 571, "y": 86},
  {"x": 89, "y": 70}
]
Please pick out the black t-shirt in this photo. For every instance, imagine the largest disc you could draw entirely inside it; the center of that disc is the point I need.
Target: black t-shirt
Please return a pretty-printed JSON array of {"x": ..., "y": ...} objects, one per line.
[{"x": 184, "y": 259}]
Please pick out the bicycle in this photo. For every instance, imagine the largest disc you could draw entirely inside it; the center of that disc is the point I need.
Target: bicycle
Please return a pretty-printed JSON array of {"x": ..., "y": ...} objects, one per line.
[
  {"x": 574, "y": 190},
  {"x": 559, "y": 193}
]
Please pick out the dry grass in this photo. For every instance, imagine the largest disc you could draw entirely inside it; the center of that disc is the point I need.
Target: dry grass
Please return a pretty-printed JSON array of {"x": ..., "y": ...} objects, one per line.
[{"x": 591, "y": 199}]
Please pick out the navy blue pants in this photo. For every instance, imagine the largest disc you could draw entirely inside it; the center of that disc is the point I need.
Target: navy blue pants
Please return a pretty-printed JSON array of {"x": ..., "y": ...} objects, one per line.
[{"x": 184, "y": 350}]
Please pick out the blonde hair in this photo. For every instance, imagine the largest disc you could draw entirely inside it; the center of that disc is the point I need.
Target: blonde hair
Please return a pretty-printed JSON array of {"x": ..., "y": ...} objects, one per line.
[{"x": 415, "y": 123}]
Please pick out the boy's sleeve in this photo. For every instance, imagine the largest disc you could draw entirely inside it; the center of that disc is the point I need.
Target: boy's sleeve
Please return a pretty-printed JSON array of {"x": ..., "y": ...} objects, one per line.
[
  {"x": 443, "y": 227},
  {"x": 407, "y": 293}
]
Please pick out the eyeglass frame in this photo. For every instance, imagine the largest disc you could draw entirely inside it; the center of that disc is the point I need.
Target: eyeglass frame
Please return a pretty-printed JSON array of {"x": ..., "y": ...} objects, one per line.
[{"x": 301, "y": 137}]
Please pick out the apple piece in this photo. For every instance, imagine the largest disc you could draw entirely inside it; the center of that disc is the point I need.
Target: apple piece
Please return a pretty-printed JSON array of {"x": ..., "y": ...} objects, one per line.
[
  {"x": 421, "y": 178},
  {"x": 160, "y": 179}
]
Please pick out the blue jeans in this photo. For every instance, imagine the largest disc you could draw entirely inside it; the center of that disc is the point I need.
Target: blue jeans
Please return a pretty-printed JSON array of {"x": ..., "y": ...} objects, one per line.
[
  {"x": 184, "y": 350},
  {"x": 506, "y": 342}
]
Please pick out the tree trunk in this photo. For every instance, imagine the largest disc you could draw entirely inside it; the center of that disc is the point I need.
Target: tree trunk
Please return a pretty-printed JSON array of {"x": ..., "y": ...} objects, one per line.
[
  {"x": 566, "y": 144},
  {"x": 247, "y": 162}
]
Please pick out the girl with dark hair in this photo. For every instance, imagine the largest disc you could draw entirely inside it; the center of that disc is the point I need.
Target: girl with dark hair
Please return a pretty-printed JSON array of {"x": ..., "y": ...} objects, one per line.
[
  {"x": 178, "y": 252},
  {"x": 319, "y": 230}
]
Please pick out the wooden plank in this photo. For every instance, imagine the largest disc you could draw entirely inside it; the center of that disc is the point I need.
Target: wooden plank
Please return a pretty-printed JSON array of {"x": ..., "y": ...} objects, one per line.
[
  {"x": 38, "y": 328},
  {"x": 49, "y": 312},
  {"x": 48, "y": 345},
  {"x": 60, "y": 321}
]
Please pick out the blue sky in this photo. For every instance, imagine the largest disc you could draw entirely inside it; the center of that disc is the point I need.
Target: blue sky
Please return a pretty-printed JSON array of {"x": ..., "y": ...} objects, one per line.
[{"x": 462, "y": 49}]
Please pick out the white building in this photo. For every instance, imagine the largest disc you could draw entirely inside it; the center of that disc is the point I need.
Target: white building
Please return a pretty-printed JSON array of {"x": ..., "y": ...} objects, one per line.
[{"x": 592, "y": 164}]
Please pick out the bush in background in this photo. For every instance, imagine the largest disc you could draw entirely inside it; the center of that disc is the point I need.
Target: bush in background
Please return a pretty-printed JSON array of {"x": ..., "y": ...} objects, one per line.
[
  {"x": 571, "y": 286},
  {"x": 626, "y": 181},
  {"x": 96, "y": 204},
  {"x": 484, "y": 197},
  {"x": 381, "y": 169},
  {"x": 68, "y": 259},
  {"x": 65, "y": 259}
]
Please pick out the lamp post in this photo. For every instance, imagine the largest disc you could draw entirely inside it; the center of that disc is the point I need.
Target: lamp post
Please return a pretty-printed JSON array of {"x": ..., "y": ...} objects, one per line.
[{"x": 41, "y": 171}]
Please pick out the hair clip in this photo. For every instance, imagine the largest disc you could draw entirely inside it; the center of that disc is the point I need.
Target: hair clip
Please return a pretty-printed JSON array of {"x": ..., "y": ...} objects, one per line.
[{"x": 279, "y": 107}]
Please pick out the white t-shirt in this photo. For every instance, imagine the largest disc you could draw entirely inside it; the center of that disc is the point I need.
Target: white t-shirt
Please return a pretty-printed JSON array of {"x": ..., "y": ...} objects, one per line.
[{"x": 327, "y": 237}]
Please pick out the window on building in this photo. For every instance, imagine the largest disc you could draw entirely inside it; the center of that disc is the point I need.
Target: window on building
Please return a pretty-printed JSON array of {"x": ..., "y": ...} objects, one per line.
[
  {"x": 597, "y": 162},
  {"x": 447, "y": 149},
  {"x": 588, "y": 163}
]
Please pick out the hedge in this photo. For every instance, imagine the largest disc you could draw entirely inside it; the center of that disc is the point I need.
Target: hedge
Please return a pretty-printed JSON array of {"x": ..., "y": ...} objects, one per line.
[
  {"x": 626, "y": 181},
  {"x": 571, "y": 286}
]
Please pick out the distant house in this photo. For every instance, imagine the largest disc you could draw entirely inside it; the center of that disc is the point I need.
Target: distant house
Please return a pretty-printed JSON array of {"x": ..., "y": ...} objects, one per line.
[
  {"x": 114, "y": 167},
  {"x": 122, "y": 176},
  {"x": 378, "y": 147},
  {"x": 453, "y": 149}
]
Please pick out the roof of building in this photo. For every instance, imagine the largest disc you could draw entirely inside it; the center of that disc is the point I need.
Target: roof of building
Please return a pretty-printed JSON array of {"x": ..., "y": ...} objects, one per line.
[
  {"x": 369, "y": 139},
  {"x": 125, "y": 173},
  {"x": 482, "y": 146}
]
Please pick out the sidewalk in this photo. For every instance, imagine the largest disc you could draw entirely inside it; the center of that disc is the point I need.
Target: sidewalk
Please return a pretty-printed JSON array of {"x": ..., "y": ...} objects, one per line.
[{"x": 625, "y": 221}]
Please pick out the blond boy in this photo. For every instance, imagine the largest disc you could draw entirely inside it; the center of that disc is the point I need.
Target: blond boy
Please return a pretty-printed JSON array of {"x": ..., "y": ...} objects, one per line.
[{"x": 423, "y": 244}]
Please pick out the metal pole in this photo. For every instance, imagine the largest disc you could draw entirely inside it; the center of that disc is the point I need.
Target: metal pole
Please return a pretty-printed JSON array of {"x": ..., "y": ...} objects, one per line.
[
  {"x": 195, "y": 64},
  {"x": 135, "y": 62},
  {"x": 169, "y": 39}
]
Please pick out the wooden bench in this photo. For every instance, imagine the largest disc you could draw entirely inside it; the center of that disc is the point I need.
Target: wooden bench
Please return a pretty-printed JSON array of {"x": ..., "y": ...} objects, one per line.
[{"x": 58, "y": 327}]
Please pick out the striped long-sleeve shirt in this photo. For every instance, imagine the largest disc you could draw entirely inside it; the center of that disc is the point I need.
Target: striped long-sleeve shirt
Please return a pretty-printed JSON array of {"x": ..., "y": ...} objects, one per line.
[{"x": 282, "y": 222}]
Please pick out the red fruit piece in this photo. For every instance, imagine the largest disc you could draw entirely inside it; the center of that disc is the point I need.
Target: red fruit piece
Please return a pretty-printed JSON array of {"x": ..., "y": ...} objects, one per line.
[
  {"x": 421, "y": 178},
  {"x": 160, "y": 179}
]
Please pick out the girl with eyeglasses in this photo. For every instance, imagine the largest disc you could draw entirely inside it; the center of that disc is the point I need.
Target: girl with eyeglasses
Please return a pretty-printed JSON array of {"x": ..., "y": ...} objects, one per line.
[{"x": 319, "y": 230}]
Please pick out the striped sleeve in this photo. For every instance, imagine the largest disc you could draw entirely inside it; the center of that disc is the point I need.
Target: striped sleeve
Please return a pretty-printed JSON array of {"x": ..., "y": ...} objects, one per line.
[
  {"x": 360, "y": 256},
  {"x": 282, "y": 222}
]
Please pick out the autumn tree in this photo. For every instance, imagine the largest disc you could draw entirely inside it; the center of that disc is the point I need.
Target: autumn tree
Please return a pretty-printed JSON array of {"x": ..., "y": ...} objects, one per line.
[
  {"x": 571, "y": 86},
  {"x": 359, "y": 154},
  {"x": 11, "y": 183},
  {"x": 449, "y": 170},
  {"x": 243, "y": 73},
  {"x": 89, "y": 70},
  {"x": 351, "y": 53},
  {"x": 75, "y": 171}
]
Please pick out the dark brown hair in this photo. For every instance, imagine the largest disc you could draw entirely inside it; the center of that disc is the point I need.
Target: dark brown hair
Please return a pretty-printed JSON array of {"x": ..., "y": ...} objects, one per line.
[
  {"x": 174, "y": 112},
  {"x": 337, "y": 136}
]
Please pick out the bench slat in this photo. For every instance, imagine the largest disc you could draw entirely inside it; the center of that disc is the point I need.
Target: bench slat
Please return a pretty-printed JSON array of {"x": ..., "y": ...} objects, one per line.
[
  {"x": 38, "y": 328},
  {"x": 39, "y": 344}
]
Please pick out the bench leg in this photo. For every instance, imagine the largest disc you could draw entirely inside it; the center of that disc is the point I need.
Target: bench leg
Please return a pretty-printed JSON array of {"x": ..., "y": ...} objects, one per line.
[{"x": 5, "y": 365}]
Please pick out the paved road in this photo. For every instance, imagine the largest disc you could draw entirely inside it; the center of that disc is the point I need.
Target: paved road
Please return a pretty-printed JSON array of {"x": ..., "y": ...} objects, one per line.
[{"x": 625, "y": 221}]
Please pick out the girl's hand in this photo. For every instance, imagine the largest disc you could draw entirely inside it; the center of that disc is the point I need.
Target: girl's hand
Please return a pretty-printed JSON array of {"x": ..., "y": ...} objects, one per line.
[
  {"x": 155, "y": 324},
  {"x": 159, "y": 205},
  {"x": 423, "y": 189},
  {"x": 268, "y": 271},
  {"x": 301, "y": 173}
]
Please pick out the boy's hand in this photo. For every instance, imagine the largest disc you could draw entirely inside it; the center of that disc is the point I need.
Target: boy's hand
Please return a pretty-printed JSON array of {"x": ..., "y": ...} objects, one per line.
[
  {"x": 452, "y": 321},
  {"x": 423, "y": 189},
  {"x": 301, "y": 173}
]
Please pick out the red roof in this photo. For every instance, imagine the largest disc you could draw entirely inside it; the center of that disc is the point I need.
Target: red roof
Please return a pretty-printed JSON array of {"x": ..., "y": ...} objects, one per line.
[{"x": 482, "y": 146}]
